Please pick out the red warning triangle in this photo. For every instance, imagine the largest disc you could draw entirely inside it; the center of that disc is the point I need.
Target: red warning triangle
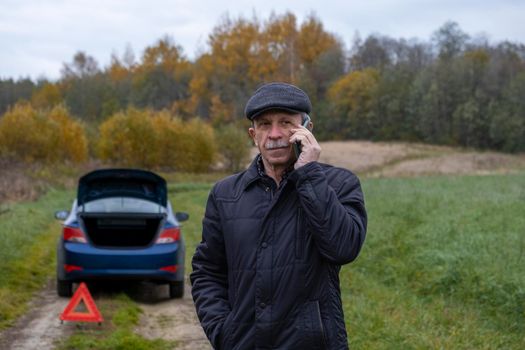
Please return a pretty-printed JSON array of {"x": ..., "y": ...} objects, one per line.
[{"x": 92, "y": 314}]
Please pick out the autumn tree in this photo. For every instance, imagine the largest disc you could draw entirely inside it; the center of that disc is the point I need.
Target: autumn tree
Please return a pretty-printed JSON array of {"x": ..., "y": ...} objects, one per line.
[
  {"x": 243, "y": 54},
  {"x": 234, "y": 48},
  {"x": 46, "y": 96},
  {"x": 353, "y": 98},
  {"x": 321, "y": 58},
  {"x": 163, "y": 76},
  {"x": 84, "y": 87},
  {"x": 119, "y": 75}
]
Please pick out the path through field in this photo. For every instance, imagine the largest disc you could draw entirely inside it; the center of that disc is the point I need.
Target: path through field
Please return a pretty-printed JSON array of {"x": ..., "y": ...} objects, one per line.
[
  {"x": 174, "y": 320},
  {"x": 40, "y": 327}
]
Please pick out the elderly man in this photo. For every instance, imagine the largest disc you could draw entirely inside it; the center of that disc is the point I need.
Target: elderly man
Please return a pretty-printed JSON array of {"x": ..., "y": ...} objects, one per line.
[{"x": 274, "y": 237}]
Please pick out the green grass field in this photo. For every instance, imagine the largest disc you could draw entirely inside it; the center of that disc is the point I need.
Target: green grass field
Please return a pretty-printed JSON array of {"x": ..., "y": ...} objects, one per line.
[
  {"x": 28, "y": 236},
  {"x": 443, "y": 265}
]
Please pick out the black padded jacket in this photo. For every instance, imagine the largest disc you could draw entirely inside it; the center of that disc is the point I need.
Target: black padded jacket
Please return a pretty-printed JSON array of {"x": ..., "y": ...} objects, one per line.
[{"x": 266, "y": 273}]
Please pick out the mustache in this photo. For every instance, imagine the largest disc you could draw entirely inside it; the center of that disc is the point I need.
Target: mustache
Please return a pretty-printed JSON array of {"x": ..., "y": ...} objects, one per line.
[{"x": 271, "y": 144}]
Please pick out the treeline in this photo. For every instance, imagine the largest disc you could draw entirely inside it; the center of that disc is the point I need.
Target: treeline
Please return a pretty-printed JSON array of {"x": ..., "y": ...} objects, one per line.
[{"x": 451, "y": 89}]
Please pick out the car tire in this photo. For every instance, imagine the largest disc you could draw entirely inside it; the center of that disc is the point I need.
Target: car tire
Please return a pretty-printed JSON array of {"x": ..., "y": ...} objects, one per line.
[
  {"x": 64, "y": 288},
  {"x": 176, "y": 289}
]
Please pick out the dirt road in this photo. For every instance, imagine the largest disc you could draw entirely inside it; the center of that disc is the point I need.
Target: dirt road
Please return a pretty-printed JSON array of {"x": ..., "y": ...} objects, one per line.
[
  {"x": 170, "y": 319},
  {"x": 173, "y": 320},
  {"x": 176, "y": 319},
  {"x": 40, "y": 327}
]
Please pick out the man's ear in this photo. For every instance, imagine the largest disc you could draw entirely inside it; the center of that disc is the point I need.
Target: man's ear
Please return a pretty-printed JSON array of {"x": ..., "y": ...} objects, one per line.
[
  {"x": 310, "y": 126},
  {"x": 251, "y": 133}
]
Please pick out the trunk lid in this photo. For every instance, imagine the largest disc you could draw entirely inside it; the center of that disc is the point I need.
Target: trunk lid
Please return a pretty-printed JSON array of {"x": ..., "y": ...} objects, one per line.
[{"x": 134, "y": 183}]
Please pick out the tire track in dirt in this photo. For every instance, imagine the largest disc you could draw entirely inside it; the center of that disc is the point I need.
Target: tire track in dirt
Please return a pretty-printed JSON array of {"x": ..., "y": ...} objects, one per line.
[{"x": 173, "y": 319}]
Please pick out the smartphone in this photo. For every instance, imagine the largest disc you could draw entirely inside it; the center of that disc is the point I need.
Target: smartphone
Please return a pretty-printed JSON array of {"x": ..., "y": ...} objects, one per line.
[{"x": 297, "y": 145}]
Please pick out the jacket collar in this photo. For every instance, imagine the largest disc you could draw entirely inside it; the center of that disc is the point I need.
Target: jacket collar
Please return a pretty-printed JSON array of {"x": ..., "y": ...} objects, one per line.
[
  {"x": 256, "y": 172},
  {"x": 253, "y": 173}
]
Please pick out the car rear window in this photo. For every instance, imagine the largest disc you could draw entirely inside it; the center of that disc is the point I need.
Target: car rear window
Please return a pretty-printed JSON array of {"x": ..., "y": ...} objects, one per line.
[{"x": 122, "y": 205}]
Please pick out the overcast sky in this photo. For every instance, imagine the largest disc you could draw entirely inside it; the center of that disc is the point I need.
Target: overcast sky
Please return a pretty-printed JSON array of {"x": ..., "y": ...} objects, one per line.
[{"x": 38, "y": 36}]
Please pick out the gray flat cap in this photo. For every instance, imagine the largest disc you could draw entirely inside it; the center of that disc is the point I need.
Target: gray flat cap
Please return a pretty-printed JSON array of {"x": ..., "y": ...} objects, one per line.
[{"x": 277, "y": 96}]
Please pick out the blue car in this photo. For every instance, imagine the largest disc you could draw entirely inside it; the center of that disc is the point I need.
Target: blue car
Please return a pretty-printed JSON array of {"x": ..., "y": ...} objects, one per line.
[{"x": 121, "y": 226}]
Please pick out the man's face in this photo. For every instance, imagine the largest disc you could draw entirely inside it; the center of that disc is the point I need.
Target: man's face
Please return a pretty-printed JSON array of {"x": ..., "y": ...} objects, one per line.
[{"x": 271, "y": 133}]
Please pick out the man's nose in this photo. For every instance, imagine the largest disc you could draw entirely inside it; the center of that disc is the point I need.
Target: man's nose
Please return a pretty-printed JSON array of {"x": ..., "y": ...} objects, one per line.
[{"x": 275, "y": 131}]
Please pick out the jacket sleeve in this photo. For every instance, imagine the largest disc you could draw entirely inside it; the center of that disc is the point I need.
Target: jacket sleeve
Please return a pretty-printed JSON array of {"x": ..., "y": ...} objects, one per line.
[
  {"x": 209, "y": 278},
  {"x": 336, "y": 215}
]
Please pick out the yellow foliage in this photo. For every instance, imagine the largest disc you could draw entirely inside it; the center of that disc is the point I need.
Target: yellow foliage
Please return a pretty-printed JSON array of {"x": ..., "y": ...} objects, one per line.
[
  {"x": 278, "y": 58},
  {"x": 354, "y": 91},
  {"x": 244, "y": 53},
  {"x": 46, "y": 96},
  {"x": 220, "y": 112},
  {"x": 127, "y": 138},
  {"x": 117, "y": 71},
  {"x": 169, "y": 139},
  {"x": 198, "y": 151},
  {"x": 73, "y": 143},
  {"x": 234, "y": 147},
  {"x": 313, "y": 40},
  {"x": 143, "y": 138},
  {"x": 166, "y": 55},
  {"x": 35, "y": 135}
]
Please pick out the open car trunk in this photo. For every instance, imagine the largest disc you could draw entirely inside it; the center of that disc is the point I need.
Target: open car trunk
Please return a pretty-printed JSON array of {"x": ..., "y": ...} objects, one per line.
[
  {"x": 126, "y": 230},
  {"x": 122, "y": 207}
]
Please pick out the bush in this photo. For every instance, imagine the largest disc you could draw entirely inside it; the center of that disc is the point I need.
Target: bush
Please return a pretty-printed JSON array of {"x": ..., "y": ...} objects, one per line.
[
  {"x": 169, "y": 139},
  {"x": 72, "y": 143},
  {"x": 155, "y": 139},
  {"x": 198, "y": 147},
  {"x": 234, "y": 147},
  {"x": 42, "y": 135},
  {"x": 128, "y": 139}
]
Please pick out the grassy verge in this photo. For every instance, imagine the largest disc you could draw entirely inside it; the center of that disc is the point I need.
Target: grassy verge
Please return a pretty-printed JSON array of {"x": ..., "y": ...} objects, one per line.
[
  {"x": 443, "y": 265},
  {"x": 116, "y": 332},
  {"x": 28, "y": 234},
  {"x": 191, "y": 198}
]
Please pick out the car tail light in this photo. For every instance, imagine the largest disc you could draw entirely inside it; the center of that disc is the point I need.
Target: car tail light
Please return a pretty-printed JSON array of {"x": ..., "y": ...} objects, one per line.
[
  {"x": 69, "y": 268},
  {"x": 169, "y": 235},
  {"x": 73, "y": 234},
  {"x": 170, "y": 268}
]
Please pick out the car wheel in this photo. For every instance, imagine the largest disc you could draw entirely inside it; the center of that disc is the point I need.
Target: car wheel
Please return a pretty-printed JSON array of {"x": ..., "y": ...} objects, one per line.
[
  {"x": 64, "y": 288},
  {"x": 176, "y": 289}
]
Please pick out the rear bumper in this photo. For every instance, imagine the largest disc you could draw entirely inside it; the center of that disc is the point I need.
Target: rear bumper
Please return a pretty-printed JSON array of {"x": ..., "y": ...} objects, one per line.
[{"x": 129, "y": 264}]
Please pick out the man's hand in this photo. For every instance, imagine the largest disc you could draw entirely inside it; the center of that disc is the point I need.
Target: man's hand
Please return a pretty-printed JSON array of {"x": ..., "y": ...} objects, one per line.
[{"x": 310, "y": 149}]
